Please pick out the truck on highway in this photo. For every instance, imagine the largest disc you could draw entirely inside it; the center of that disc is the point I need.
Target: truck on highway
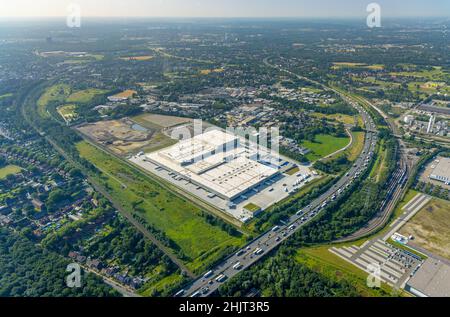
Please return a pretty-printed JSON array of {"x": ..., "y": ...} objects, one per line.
[
  {"x": 180, "y": 293},
  {"x": 275, "y": 229},
  {"x": 240, "y": 252},
  {"x": 196, "y": 294},
  {"x": 221, "y": 278},
  {"x": 208, "y": 274},
  {"x": 237, "y": 266},
  {"x": 258, "y": 251}
]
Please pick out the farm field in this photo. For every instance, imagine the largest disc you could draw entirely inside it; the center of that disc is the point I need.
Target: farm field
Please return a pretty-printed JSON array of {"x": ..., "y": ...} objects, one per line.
[
  {"x": 9, "y": 170},
  {"x": 430, "y": 227},
  {"x": 324, "y": 145},
  {"x": 209, "y": 71},
  {"x": 179, "y": 219}
]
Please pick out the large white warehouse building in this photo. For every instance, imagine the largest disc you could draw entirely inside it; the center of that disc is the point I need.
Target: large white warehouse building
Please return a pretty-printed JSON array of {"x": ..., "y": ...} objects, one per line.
[{"x": 217, "y": 162}]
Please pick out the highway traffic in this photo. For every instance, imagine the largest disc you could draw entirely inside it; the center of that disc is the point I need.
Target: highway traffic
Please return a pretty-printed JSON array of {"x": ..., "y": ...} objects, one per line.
[{"x": 251, "y": 253}]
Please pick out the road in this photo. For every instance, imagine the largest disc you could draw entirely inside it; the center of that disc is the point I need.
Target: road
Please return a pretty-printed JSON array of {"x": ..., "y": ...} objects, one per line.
[{"x": 252, "y": 252}]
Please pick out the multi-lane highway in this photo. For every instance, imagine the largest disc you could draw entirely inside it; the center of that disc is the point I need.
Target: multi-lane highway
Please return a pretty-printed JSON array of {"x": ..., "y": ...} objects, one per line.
[{"x": 251, "y": 253}]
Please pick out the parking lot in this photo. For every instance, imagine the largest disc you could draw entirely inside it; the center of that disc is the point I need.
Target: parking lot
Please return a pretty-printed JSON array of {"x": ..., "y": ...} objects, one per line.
[
  {"x": 264, "y": 196},
  {"x": 396, "y": 265}
]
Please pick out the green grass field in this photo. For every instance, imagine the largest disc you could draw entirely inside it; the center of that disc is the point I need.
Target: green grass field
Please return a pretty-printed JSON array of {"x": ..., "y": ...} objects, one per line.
[
  {"x": 321, "y": 260},
  {"x": 434, "y": 74},
  {"x": 85, "y": 96},
  {"x": 68, "y": 112},
  {"x": 324, "y": 145},
  {"x": 178, "y": 218},
  {"x": 6, "y": 96},
  {"x": 9, "y": 170},
  {"x": 57, "y": 93}
]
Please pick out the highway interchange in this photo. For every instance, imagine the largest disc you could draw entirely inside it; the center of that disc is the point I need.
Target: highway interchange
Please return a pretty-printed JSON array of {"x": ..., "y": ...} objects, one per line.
[{"x": 253, "y": 252}]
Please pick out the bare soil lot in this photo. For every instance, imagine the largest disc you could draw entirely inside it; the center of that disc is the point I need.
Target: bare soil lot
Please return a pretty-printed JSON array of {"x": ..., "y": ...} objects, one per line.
[
  {"x": 161, "y": 120},
  {"x": 121, "y": 136},
  {"x": 430, "y": 227},
  {"x": 126, "y": 136}
]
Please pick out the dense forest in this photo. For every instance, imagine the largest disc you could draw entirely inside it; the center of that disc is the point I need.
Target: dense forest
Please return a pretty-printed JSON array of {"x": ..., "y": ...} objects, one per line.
[{"x": 281, "y": 276}]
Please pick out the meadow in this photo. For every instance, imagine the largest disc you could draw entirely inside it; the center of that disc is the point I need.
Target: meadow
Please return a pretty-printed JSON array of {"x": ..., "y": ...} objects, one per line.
[
  {"x": 177, "y": 217},
  {"x": 324, "y": 145},
  {"x": 9, "y": 170}
]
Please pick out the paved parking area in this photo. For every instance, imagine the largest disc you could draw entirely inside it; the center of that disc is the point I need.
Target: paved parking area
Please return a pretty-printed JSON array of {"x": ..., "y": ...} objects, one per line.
[
  {"x": 264, "y": 196},
  {"x": 396, "y": 265}
]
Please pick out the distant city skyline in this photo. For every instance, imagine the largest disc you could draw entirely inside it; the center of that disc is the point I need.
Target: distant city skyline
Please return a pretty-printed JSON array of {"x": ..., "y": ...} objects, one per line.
[{"x": 223, "y": 8}]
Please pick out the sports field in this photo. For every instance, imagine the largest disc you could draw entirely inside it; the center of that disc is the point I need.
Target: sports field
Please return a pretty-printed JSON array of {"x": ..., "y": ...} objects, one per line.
[{"x": 178, "y": 218}]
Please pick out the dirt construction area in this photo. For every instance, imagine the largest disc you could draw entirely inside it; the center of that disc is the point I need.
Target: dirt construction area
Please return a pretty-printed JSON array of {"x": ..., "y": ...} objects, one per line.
[
  {"x": 430, "y": 228},
  {"x": 121, "y": 136}
]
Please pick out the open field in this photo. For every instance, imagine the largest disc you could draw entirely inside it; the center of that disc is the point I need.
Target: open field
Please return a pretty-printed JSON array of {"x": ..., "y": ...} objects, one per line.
[
  {"x": 179, "y": 219},
  {"x": 345, "y": 119},
  {"x": 430, "y": 227},
  {"x": 125, "y": 94},
  {"x": 324, "y": 145},
  {"x": 9, "y": 170},
  {"x": 343, "y": 65},
  {"x": 321, "y": 260},
  {"x": 380, "y": 166},
  {"x": 209, "y": 71},
  {"x": 137, "y": 58},
  {"x": 85, "y": 96},
  {"x": 356, "y": 148},
  {"x": 55, "y": 93},
  {"x": 67, "y": 112},
  {"x": 434, "y": 74},
  {"x": 428, "y": 88},
  {"x": 6, "y": 96},
  {"x": 160, "y": 120}
]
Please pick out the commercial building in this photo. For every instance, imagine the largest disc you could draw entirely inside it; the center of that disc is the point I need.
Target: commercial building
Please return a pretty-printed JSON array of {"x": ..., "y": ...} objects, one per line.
[
  {"x": 431, "y": 280},
  {"x": 441, "y": 171},
  {"x": 218, "y": 162}
]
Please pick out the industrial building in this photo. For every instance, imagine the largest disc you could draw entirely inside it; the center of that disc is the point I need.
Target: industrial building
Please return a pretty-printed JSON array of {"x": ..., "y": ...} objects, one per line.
[
  {"x": 431, "y": 280},
  {"x": 441, "y": 171},
  {"x": 218, "y": 162}
]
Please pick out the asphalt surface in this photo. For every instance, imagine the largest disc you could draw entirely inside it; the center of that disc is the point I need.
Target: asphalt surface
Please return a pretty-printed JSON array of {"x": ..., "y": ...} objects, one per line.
[{"x": 247, "y": 256}]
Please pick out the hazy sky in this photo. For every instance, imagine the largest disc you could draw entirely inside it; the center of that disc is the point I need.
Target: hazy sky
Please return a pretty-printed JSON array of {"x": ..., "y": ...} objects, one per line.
[{"x": 224, "y": 8}]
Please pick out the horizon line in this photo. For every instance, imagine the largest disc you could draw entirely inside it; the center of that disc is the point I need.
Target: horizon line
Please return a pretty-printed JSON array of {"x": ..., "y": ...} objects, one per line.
[{"x": 226, "y": 17}]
